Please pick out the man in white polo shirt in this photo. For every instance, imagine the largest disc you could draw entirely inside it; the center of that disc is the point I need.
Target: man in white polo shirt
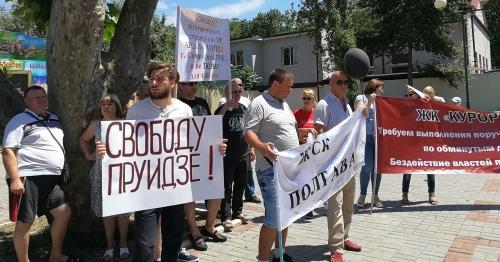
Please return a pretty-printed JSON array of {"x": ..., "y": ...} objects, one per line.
[{"x": 33, "y": 160}]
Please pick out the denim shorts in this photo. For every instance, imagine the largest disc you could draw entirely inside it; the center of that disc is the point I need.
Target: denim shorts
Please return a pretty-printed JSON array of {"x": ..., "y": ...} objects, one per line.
[{"x": 268, "y": 189}]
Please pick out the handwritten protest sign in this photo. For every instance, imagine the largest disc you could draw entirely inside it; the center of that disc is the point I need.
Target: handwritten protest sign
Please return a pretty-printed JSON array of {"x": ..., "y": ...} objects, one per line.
[
  {"x": 160, "y": 162},
  {"x": 202, "y": 47},
  {"x": 310, "y": 174},
  {"x": 417, "y": 136}
]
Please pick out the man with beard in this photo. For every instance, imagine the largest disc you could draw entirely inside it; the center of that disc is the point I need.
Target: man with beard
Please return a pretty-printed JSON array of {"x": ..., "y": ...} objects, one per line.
[{"x": 162, "y": 78}]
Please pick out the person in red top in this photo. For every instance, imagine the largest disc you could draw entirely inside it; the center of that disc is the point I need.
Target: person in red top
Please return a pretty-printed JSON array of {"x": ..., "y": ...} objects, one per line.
[{"x": 305, "y": 120}]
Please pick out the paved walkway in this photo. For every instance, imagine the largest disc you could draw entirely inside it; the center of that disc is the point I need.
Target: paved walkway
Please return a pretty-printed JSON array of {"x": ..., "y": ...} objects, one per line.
[{"x": 465, "y": 226}]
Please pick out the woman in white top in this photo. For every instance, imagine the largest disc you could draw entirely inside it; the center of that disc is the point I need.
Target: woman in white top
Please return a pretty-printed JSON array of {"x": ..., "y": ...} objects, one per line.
[{"x": 376, "y": 87}]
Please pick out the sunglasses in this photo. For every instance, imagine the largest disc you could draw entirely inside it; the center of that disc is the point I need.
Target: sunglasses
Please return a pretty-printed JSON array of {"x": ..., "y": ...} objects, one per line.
[
  {"x": 306, "y": 98},
  {"x": 237, "y": 91},
  {"x": 409, "y": 94},
  {"x": 240, "y": 84},
  {"x": 340, "y": 82}
]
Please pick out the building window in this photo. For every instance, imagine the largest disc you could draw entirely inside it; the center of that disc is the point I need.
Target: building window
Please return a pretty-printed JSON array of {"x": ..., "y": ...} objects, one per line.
[
  {"x": 399, "y": 62},
  {"x": 484, "y": 63},
  {"x": 237, "y": 58},
  {"x": 480, "y": 61},
  {"x": 289, "y": 56},
  {"x": 487, "y": 67}
]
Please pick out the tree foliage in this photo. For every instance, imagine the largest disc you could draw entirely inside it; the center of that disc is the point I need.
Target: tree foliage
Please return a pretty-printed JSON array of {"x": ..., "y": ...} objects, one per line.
[
  {"x": 492, "y": 12},
  {"x": 269, "y": 23},
  {"x": 162, "y": 39},
  {"x": 247, "y": 76},
  {"x": 35, "y": 13},
  {"x": 403, "y": 25},
  {"x": 328, "y": 23}
]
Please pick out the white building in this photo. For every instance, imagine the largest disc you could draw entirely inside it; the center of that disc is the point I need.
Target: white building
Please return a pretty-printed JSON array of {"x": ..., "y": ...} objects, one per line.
[
  {"x": 294, "y": 51},
  {"x": 478, "y": 42}
]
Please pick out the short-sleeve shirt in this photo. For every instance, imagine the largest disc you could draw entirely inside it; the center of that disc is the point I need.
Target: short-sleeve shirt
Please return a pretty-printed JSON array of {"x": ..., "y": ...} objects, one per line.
[
  {"x": 273, "y": 121},
  {"x": 145, "y": 109},
  {"x": 198, "y": 105},
  {"x": 305, "y": 119},
  {"x": 330, "y": 112},
  {"x": 232, "y": 129},
  {"x": 370, "y": 120},
  {"x": 37, "y": 151}
]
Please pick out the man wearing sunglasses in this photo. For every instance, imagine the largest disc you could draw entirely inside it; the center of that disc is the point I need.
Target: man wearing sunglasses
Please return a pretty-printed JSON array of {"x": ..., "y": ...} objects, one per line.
[
  {"x": 250, "y": 184},
  {"x": 331, "y": 111}
]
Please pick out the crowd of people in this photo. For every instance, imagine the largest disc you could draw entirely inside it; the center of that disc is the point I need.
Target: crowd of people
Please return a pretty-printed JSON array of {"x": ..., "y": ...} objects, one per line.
[{"x": 253, "y": 130}]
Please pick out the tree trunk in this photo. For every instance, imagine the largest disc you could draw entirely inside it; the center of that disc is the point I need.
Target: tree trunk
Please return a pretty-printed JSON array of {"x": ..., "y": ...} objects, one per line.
[
  {"x": 74, "y": 42},
  {"x": 10, "y": 100},
  {"x": 130, "y": 48},
  {"x": 77, "y": 78},
  {"x": 410, "y": 63}
]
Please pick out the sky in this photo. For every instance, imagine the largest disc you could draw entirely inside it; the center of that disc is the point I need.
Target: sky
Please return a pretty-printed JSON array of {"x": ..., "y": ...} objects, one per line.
[{"x": 243, "y": 9}]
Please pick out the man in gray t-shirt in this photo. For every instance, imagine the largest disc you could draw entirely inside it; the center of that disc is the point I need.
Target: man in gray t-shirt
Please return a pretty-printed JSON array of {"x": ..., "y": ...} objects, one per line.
[{"x": 270, "y": 125}]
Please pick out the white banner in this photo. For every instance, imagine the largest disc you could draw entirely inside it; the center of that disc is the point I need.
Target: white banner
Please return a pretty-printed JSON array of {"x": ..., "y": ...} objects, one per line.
[
  {"x": 202, "y": 50},
  {"x": 160, "y": 162},
  {"x": 310, "y": 174}
]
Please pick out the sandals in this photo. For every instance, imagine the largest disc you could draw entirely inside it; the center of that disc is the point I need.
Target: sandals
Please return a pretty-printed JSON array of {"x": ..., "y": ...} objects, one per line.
[
  {"x": 199, "y": 243},
  {"x": 214, "y": 236},
  {"x": 244, "y": 219},
  {"x": 108, "y": 255},
  {"x": 361, "y": 201},
  {"x": 124, "y": 253},
  {"x": 228, "y": 225},
  {"x": 432, "y": 199},
  {"x": 405, "y": 200}
]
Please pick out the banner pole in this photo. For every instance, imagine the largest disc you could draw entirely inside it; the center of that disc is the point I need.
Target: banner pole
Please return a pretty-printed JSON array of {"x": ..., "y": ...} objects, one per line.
[
  {"x": 280, "y": 245},
  {"x": 374, "y": 181},
  {"x": 373, "y": 192},
  {"x": 279, "y": 232}
]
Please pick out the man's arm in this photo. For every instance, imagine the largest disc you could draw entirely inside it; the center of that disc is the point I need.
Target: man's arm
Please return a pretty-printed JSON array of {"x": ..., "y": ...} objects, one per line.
[
  {"x": 10, "y": 163},
  {"x": 266, "y": 149}
]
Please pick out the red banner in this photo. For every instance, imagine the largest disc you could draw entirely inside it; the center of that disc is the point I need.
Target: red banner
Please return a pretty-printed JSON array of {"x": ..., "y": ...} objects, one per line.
[{"x": 416, "y": 136}]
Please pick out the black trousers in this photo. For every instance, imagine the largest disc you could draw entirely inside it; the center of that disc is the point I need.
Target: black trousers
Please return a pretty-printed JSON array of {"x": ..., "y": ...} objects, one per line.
[
  {"x": 431, "y": 183},
  {"x": 172, "y": 231},
  {"x": 235, "y": 180}
]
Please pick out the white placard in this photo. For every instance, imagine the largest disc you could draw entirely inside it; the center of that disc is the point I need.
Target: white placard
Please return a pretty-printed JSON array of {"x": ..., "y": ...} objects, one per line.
[
  {"x": 160, "y": 162},
  {"x": 310, "y": 174},
  {"x": 202, "y": 50}
]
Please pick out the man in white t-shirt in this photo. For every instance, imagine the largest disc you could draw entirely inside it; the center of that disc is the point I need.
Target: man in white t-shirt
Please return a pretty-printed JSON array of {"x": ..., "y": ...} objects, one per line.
[
  {"x": 162, "y": 78},
  {"x": 33, "y": 158}
]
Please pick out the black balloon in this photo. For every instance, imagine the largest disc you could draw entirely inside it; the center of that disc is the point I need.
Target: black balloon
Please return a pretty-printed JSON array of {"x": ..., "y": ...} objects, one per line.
[{"x": 357, "y": 63}]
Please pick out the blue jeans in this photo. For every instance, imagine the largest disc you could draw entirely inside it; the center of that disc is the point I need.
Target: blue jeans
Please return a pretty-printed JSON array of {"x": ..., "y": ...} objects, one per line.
[
  {"x": 369, "y": 167},
  {"x": 267, "y": 185}
]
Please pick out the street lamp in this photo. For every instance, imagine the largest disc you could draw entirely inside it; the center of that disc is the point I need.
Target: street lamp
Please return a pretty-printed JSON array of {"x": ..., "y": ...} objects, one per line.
[{"x": 440, "y": 5}]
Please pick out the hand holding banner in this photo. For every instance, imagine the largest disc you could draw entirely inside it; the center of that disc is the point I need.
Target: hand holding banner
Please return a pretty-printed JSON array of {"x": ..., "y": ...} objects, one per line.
[
  {"x": 311, "y": 173},
  {"x": 160, "y": 162},
  {"x": 417, "y": 136}
]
